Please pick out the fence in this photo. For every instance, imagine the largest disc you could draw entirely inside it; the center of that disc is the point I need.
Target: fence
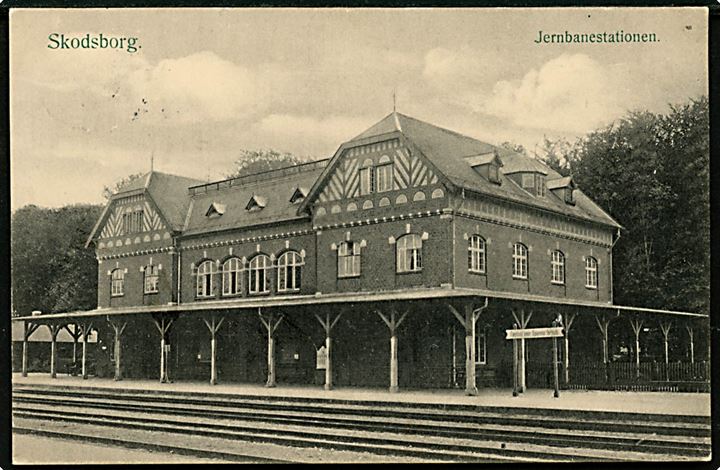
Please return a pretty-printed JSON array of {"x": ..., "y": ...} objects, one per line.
[{"x": 648, "y": 376}]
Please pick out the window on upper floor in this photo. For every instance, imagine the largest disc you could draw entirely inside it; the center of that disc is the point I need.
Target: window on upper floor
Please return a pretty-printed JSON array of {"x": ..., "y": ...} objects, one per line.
[
  {"x": 540, "y": 185},
  {"x": 257, "y": 274},
  {"x": 132, "y": 221},
  {"x": 205, "y": 286},
  {"x": 520, "y": 261},
  {"x": 151, "y": 278},
  {"x": 367, "y": 178},
  {"x": 476, "y": 254},
  {"x": 557, "y": 263},
  {"x": 409, "y": 253},
  {"x": 232, "y": 276},
  {"x": 348, "y": 259},
  {"x": 569, "y": 197},
  {"x": 493, "y": 173},
  {"x": 289, "y": 271},
  {"x": 384, "y": 178},
  {"x": 117, "y": 282},
  {"x": 591, "y": 273}
]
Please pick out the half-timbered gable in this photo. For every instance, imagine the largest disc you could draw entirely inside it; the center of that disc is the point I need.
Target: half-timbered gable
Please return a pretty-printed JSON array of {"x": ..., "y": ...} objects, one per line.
[{"x": 134, "y": 240}]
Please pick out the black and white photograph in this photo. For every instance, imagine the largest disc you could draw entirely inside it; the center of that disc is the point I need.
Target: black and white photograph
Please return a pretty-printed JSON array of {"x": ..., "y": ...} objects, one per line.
[{"x": 359, "y": 235}]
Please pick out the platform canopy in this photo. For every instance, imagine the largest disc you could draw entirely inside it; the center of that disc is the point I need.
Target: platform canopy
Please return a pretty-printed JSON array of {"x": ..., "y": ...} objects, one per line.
[{"x": 351, "y": 298}]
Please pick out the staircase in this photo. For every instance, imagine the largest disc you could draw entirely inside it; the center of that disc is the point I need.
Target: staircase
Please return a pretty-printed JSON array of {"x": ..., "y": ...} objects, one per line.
[{"x": 211, "y": 424}]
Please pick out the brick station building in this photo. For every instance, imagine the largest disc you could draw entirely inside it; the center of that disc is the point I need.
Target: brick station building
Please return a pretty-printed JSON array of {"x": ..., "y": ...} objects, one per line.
[{"x": 399, "y": 262}]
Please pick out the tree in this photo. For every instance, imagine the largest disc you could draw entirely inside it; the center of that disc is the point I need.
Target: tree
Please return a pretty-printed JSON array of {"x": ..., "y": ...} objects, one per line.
[
  {"x": 258, "y": 161},
  {"x": 559, "y": 154},
  {"x": 517, "y": 148},
  {"x": 109, "y": 191},
  {"x": 651, "y": 173},
  {"x": 51, "y": 269}
]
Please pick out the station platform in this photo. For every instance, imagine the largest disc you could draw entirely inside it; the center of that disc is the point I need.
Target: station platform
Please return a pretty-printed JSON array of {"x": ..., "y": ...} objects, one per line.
[{"x": 670, "y": 403}]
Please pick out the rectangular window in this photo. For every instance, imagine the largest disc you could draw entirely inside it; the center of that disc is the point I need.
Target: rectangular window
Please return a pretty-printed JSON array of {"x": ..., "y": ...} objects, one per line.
[
  {"x": 558, "y": 268},
  {"x": 520, "y": 261},
  {"x": 366, "y": 181},
  {"x": 591, "y": 277},
  {"x": 528, "y": 181},
  {"x": 540, "y": 185},
  {"x": 409, "y": 253},
  {"x": 349, "y": 259},
  {"x": 132, "y": 222},
  {"x": 493, "y": 175},
  {"x": 481, "y": 347},
  {"x": 476, "y": 254},
  {"x": 117, "y": 282},
  {"x": 152, "y": 278},
  {"x": 384, "y": 178}
]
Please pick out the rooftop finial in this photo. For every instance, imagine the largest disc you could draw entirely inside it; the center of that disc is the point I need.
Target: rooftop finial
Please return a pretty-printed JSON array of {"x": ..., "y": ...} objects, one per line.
[
  {"x": 152, "y": 161},
  {"x": 394, "y": 100}
]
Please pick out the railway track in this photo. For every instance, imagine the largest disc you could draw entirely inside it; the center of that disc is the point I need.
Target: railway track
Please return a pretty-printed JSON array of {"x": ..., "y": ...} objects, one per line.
[{"x": 453, "y": 433}]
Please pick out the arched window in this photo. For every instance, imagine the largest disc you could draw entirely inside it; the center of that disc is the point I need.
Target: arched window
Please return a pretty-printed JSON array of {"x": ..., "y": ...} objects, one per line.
[
  {"x": 409, "y": 253},
  {"x": 591, "y": 276},
  {"x": 117, "y": 282},
  {"x": 289, "y": 271},
  {"x": 257, "y": 274},
  {"x": 520, "y": 261},
  {"x": 557, "y": 263},
  {"x": 205, "y": 276},
  {"x": 231, "y": 278},
  {"x": 348, "y": 259},
  {"x": 367, "y": 178},
  {"x": 152, "y": 276},
  {"x": 476, "y": 254}
]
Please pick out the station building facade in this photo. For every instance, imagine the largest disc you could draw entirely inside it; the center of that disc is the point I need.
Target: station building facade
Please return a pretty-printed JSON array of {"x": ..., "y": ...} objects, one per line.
[{"x": 398, "y": 262}]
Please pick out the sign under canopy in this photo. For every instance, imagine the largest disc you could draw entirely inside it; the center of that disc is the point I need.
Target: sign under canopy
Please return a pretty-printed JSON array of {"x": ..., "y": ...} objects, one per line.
[{"x": 528, "y": 333}]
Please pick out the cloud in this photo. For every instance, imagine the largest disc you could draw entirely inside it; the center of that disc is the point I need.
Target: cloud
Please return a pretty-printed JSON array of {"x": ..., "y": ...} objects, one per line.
[
  {"x": 288, "y": 130},
  {"x": 200, "y": 87},
  {"x": 570, "y": 93}
]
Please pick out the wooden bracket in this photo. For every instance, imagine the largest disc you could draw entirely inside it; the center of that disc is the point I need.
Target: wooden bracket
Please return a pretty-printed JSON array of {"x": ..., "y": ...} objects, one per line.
[
  {"x": 393, "y": 323},
  {"x": 271, "y": 324},
  {"x": 637, "y": 325},
  {"x": 569, "y": 319},
  {"x": 665, "y": 327},
  {"x": 327, "y": 324},
  {"x": 214, "y": 324},
  {"x": 521, "y": 320}
]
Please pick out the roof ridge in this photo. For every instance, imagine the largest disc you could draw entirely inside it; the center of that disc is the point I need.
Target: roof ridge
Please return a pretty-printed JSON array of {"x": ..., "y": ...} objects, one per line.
[{"x": 276, "y": 174}]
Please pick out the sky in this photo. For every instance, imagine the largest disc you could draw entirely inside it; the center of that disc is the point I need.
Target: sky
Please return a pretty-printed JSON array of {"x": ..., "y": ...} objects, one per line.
[{"x": 208, "y": 83}]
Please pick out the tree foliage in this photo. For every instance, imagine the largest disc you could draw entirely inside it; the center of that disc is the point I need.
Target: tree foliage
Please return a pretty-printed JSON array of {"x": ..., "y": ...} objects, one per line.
[
  {"x": 51, "y": 269},
  {"x": 108, "y": 191},
  {"x": 651, "y": 173},
  {"x": 258, "y": 161}
]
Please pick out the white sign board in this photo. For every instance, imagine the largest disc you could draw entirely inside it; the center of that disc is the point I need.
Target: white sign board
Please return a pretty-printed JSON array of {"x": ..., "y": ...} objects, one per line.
[{"x": 529, "y": 333}]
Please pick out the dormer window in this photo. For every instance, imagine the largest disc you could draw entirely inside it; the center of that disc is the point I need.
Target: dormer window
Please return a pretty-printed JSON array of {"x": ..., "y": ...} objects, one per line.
[
  {"x": 569, "y": 197},
  {"x": 494, "y": 174},
  {"x": 256, "y": 203},
  {"x": 215, "y": 210},
  {"x": 487, "y": 165},
  {"x": 534, "y": 183},
  {"x": 539, "y": 185},
  {"x": 298, "y": 195},
  {"x": 564, "y": 188}
]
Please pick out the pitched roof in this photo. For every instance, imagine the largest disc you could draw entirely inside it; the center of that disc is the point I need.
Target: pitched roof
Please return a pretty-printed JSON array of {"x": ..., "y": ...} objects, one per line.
[
  {"x": 272, "y": 189},
  {"x": 449, "y": 150},
  {"x": 561, "y": 183},
  {"x": 170, "y": 194}
]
